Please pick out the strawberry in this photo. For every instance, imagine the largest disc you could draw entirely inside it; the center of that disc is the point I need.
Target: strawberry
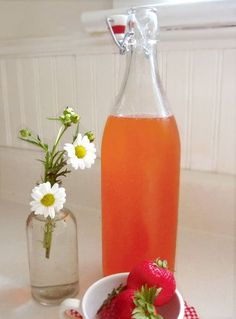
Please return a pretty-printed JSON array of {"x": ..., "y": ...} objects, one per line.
[
  {"x": 104, "y": 311},
  {"x": 154, "y": 274},
  {"x": 123, "y": 305},
  {"x": 131, "y": 304}
]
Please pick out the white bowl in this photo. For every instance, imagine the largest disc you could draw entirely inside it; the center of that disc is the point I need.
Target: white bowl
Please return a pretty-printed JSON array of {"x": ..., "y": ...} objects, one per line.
[{"x": 98, "y": 291}]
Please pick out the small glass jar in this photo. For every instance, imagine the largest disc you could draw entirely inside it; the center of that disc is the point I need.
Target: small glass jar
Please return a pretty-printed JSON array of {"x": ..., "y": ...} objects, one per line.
[{"x": 54, "y": 275}]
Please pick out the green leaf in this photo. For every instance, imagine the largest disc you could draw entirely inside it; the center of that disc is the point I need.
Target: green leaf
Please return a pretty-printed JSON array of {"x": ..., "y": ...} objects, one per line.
[
  {"x": 63, "y": 173},
  {"x": 29, "y": 141},
  {"x": 57, "y": 153},
  {"x": 53, "y": 118},
  {"x": 144, "y": 302},
  {"x": 150, "y": 308}
]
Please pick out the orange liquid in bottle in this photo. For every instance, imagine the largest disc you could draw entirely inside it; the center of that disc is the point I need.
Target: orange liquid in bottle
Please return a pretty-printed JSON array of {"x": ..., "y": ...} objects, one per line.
[{"x": 140, "y": 185}]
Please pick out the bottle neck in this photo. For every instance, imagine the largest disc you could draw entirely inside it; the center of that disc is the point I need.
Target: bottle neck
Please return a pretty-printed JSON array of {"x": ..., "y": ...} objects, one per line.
[{"x": 141, "y": 93}]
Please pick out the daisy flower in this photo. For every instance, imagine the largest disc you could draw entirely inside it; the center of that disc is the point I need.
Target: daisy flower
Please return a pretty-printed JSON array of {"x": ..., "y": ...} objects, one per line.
[
  {"x": 81, "y": 153},
  {"x": 47, "y": 200}
]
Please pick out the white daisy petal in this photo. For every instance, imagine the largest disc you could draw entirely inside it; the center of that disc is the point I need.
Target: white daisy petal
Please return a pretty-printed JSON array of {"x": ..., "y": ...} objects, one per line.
[
  {"x": 47, "y": 198},
  {"x": 61, "y": 199},
  {"x": 81, "y": 164},
  {"x": 35, "y": 205},
  {"x": 59, "y": 207},
  {"x": 75, "y": 163},
  {"x": 51, "y": 212},
  {"x": 62, "y": 190},
  {"x": 87, "y": 164},
  {"x": 70, "y": 149},
  {"x": 36, "y": 195},
  {"x": 91, "y": 147},
  {"x": 39, "y": 211},
  {"x": 78, "y": 140},
  {"x": 81, "y": 158},
  {"x": 45, "y": 212},
  {"x": 44, "y": 188},
  {"x": 55, "y": 188},
  {"x": 60, "y": 196},
  {"x": 92, "y": 156},
  {"x": 48, "y": 186},
  {"x": 85, "y": 141},
  {"x": 68, "y": 146}
]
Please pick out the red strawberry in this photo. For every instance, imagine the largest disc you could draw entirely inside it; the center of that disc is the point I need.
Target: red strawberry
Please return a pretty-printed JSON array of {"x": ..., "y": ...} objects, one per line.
[
  {"x": 104, "y": 311},
  {"x": 123, "y": 305},
  {"x": 154, "y": 274},
  {"x": 130, "y": 303}
]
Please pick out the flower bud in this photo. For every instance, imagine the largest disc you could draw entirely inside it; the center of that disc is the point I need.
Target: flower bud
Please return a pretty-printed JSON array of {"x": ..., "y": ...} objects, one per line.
[
  {"x": 75, "y": 118},
  {"x": 90, "y": 136},
  {"x": 68, "y": 110},
  {"x": 25, "y": 133},
  {"x": 65, "y": 119}
]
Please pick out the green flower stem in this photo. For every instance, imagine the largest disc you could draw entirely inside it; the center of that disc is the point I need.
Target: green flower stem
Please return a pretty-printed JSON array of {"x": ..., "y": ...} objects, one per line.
[
  {"x": 35, "y": 141},
  {"x": 76, "y": 133},
  {"x": 60, "y": 133},
  {"x": 59, "y": 158},
  {"x": 40, "y": 144},
  {"x": 47, "y": 240}
]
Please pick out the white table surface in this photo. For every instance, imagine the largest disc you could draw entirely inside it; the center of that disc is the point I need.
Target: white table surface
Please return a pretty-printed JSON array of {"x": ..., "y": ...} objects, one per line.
[{"x": 204, "y": 269}]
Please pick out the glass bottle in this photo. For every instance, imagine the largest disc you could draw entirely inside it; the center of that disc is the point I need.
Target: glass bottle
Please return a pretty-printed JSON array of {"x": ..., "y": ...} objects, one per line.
[
  {"x": 140, "y": 158},
  {"x": 54, "y": 275}
]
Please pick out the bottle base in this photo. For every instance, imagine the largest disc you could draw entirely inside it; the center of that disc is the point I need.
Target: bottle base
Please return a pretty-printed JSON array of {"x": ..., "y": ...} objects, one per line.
[{"x": 54, "y": 295}]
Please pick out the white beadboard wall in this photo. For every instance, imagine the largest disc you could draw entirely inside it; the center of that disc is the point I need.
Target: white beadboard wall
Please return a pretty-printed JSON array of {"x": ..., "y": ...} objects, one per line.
[{"x": 200, "y": 81}]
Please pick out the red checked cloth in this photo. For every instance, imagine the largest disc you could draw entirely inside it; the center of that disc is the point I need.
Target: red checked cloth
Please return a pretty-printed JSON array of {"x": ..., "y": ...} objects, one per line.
[{"x": 189, "y": 313}]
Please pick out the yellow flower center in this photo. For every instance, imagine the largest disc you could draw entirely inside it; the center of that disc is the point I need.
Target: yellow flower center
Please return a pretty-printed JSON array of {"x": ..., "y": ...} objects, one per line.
[
  {"x": 48, "y": 200},
  {"x": 80, "y": 151}
]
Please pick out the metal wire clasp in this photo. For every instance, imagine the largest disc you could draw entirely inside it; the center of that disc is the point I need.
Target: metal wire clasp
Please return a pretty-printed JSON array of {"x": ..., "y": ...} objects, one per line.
[{"x": 122, "y": 40}]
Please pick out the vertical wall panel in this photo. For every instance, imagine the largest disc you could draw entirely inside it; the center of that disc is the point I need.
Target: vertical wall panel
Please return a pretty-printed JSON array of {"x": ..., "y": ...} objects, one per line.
[
  {"x": 65, "y": 81},
  {"x": 5, "y": 129},
  {"x": 64, "y": 88},
  {"x": 48, "y": 91},
  {"x": 217, "y": 104},
  {"x": 227, "y": 128},
  {"x": 13, "y": 100},
  {"x": 31, "y": 97},
  {"x": 20, "y": 90},
  {"x": 120, "y": 66},
  {"x": 188, "y": 113},
  {"x": 105, "y": 90},
  {"x": 85, "y": 91},
  {"x": 177, "y": 92},
  {"x": 202, "y": 109},
  {"x": 37, "y": 96},
  {"x": 163, "y": 68}
]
